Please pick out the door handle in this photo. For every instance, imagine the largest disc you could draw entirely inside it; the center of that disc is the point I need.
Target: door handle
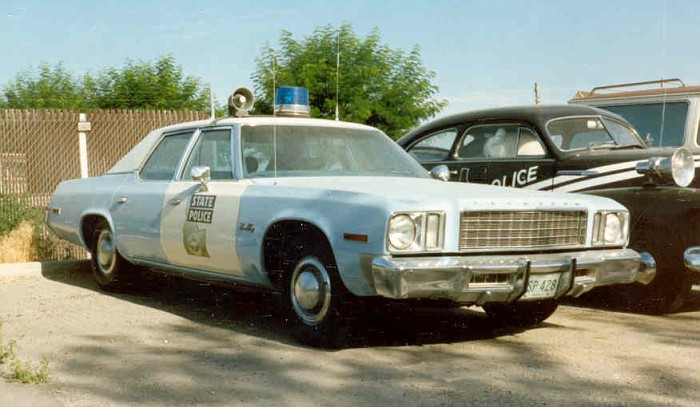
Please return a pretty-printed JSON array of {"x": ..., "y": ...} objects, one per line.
[
  {"x": 121, "y": 200},
  {"x": 174, "y": 201}
]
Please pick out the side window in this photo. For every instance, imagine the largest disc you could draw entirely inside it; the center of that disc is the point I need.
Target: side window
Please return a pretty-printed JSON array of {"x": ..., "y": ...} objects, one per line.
[
  {"x": 163, "y": 163},
  {"x": 589, "y": 138},
  {"x": 434, "y": 147},
  {"x": 489, "y": 141},
  {"x": 213, "y": 149},
  {"x": 529, "y": 144}
]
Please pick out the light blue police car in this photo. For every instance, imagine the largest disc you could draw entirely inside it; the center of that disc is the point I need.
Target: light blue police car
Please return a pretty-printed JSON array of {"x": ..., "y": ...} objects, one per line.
[{"x": 329, "y": 212}]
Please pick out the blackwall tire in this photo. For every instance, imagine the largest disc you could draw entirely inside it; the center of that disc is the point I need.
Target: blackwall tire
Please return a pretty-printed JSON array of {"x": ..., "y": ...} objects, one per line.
[{"x": 316, "y": 301}]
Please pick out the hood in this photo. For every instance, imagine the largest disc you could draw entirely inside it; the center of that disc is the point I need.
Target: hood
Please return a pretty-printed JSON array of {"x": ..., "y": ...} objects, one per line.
[
  {"x": 605, "y": 156},
  {"x": 423, "y": 192}
]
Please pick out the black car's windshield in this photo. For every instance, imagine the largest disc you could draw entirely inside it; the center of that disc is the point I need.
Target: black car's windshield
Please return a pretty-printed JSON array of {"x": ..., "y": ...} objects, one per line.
[
  {"x": 323, "y": 151},
  {"x": 663, "y": 123},
  {"x": 577, "y": 133}
]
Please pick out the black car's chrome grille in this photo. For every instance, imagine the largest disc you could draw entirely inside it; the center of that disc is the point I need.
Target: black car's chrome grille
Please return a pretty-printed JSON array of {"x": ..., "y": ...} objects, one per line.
[{"x": 521, "y": 229}]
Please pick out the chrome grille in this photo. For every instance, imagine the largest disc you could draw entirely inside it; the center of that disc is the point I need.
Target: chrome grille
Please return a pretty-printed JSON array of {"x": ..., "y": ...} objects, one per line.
[{"x": 522, "y": 229}]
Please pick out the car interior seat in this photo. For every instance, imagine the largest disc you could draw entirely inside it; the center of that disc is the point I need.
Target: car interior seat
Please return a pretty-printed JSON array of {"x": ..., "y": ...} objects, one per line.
[{"x": 251, "y": 164}]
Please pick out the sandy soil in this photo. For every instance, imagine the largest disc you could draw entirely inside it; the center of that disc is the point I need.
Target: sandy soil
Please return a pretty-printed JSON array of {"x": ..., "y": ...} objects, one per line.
[{"x": 175, "y": 342}]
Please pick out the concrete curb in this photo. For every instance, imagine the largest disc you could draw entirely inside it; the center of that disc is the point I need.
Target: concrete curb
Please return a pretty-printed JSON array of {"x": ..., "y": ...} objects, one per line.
[{"x": 35, "y": 269}]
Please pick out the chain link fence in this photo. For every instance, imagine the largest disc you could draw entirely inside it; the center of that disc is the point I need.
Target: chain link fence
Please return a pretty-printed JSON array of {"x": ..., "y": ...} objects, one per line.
[{"x": 40, "y": 148}]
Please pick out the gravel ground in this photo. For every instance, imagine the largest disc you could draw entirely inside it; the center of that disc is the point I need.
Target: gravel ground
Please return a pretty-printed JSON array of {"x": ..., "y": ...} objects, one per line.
[{"x": 176, "y": 342}]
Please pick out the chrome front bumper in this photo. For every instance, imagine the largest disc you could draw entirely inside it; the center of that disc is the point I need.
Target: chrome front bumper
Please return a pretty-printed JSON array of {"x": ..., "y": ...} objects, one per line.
[{"x": 504, "y": 278}]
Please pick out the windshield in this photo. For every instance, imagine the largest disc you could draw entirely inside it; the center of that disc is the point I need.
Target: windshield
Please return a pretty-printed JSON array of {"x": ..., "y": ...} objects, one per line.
[
  {"x": 664, "y": 124},
  {"x": 323, "y": 151},
  {"x": 594, "y": 132}
]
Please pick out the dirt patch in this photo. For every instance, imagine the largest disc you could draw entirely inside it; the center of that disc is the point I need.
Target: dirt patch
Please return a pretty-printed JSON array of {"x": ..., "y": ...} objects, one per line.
[{"x": 172, "y": 341}]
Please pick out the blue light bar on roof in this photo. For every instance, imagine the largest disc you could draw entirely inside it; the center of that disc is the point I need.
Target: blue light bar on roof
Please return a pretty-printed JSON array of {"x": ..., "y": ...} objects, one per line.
[{"x": 292, "y": 101}]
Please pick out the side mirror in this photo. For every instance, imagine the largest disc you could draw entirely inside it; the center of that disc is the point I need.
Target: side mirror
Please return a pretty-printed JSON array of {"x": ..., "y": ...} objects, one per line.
[
  {"x": 201, "y": 174},
  {"x": 440, "y": 172}
]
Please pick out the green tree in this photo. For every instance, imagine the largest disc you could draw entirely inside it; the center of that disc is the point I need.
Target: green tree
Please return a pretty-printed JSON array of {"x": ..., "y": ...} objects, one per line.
[
  {"x": 47, "y": 87},
  {"x": 145, "y": 85},
  {"x": 137, "y": 85},
  {"x": 386, "y": 88}
]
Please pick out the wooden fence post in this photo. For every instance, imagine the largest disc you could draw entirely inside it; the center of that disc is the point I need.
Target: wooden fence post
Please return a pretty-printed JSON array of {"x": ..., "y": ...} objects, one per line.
[{"x": 83, "y": 128}]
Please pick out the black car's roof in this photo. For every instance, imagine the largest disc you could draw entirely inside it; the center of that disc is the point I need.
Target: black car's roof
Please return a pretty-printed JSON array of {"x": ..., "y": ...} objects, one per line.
[{"x": 538, "y": 114}]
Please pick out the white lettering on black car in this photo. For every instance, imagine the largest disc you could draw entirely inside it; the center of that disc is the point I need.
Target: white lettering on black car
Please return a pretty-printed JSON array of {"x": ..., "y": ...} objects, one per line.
[{"x": 519, "y": 178}]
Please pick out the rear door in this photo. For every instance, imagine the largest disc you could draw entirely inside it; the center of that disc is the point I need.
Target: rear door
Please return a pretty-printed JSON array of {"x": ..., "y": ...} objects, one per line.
[
  {"x": 502, "y": 154},
  {"x": 137, "y": 206}
]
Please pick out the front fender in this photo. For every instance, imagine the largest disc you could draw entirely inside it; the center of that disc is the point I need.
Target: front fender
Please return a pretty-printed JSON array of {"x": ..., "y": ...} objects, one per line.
[
  {"x": 335, "y": 214},
  {"x": 664, "y": 221}
]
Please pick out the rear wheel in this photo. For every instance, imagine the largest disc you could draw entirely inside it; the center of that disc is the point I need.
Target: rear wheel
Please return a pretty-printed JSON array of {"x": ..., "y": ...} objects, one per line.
[
  {"x": 109, "y": 268},
  {"x": 523, "y": 314}
]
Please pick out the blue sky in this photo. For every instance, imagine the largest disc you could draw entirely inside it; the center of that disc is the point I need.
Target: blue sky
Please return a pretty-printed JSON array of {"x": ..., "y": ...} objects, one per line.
[{"x": 484, "y": 53}]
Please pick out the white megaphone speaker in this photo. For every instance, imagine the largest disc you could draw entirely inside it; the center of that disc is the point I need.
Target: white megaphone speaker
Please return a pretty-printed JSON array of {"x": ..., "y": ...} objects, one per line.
[{"x": 240, "y": 102}]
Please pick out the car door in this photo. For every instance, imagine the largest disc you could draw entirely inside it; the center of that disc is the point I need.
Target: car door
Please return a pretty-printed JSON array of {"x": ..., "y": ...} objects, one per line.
[
  {"x": 199, "y": 224},
  {"x": 503, "y": 154},
  {"x": 435, "y": 148},
  {"x": 138, "y": 203}
]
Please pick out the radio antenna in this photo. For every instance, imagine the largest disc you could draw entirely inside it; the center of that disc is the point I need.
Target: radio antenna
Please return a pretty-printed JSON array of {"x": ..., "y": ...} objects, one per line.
[
  {"x": 211, "y": 104},
  {"x": 663, "y": 66},
  {"x": 274, "y": 114},
  {"x": 337, "y": 76}
]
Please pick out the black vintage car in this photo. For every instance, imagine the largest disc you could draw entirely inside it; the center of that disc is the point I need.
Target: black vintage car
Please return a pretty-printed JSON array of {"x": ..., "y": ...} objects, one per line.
[{"x": 581, "y": 149}]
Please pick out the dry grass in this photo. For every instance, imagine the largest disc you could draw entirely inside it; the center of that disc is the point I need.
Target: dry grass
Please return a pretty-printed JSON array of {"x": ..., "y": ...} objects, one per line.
[
  {"x": 17, "y": 246},
  {"x": 30, "y": 242}
]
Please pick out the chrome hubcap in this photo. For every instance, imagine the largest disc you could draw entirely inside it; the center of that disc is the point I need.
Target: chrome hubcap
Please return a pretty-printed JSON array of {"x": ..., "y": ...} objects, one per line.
[
  {"x": 106, "y": 252},
  {"x": 307, "y": 290},
  {"x": 310, "y": 291}
]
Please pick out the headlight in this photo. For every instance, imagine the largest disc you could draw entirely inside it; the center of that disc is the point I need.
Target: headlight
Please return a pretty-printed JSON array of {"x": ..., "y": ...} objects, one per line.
[
  {"x": 402, "y": 232},
  {"x": 411, "y": 232},
  {"x": 682, "y": 167},
  {"x": 611, "y": 228},
  {"x": 678, "y": 168}
]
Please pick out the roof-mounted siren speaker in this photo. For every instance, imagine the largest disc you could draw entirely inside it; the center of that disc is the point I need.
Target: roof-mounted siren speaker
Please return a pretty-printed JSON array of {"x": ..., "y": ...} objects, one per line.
[
  {"x": 240, "y": 102},
  {"x": 292, "y": 101}
]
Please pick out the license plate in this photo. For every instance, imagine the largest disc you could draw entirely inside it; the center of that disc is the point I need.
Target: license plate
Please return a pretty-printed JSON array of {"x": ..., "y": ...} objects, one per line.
[{"x": 542, "y": 285}]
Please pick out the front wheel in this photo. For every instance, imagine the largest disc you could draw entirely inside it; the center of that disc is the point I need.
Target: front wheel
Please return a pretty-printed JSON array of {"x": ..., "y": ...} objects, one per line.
[
  {"x": 316, "y": 301},
  {"x": 523, "y": 314}
]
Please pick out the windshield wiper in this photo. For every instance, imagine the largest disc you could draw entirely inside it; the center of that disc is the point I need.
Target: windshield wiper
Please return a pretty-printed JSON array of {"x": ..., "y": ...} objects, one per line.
[
  {"x": 628, "y": 146},
  {"x": 602, "y": 144}
]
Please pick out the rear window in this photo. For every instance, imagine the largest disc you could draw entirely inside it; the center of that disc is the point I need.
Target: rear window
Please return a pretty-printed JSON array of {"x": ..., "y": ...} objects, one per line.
[{"x": 647, "y": 119}]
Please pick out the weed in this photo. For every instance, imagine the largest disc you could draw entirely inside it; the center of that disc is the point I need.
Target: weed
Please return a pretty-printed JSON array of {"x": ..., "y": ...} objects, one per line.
[
  {"x": 7, "y": 352},
  {"x": 14, "y": 210},
  {"x": 23, "y": 233},
  {"x": 21, "y": 371},
  {"x": 26, "y": 373}
]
